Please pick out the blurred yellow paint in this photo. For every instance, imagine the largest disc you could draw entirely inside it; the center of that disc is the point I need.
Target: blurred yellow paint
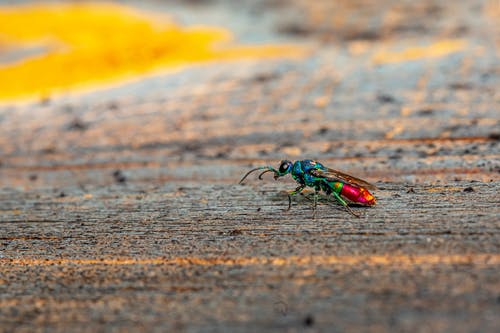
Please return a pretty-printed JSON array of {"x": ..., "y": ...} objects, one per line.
[
  {"x": 434, "y": 50},
  {"x": 84, "y": 44}
]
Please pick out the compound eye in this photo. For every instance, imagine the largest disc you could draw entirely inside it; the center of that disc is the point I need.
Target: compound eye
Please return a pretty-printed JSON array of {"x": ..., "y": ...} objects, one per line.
[{"x": 284, "y": 166}]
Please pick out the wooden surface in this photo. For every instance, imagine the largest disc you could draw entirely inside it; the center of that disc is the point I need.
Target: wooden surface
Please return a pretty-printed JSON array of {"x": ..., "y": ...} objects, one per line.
[{"x": 120, "y": 209}]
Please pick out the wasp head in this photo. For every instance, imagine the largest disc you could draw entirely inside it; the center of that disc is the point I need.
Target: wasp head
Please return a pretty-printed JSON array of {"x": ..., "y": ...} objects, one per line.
[{"x": 285, "y": 168}]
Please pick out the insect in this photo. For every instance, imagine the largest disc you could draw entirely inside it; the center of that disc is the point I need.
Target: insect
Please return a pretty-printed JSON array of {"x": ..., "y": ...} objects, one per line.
[{"x": 331, "y": 182}]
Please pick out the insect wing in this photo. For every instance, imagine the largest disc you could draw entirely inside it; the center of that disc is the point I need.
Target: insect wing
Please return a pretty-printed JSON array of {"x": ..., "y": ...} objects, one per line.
[{"x": 335, "y": 175}]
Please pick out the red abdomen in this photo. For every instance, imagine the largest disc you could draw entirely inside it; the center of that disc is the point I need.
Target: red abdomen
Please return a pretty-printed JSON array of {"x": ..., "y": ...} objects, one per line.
[{"x": 358, "y": 195}]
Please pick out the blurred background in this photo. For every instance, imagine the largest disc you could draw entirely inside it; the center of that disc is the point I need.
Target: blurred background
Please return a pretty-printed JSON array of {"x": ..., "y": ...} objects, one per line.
[
  {"x": 333, "y": 78},
  {"x": 63, "y": 46}
]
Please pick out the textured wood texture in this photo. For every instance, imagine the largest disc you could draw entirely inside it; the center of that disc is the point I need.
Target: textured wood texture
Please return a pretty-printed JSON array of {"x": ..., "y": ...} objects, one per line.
[{"x": 120, "y": 209}]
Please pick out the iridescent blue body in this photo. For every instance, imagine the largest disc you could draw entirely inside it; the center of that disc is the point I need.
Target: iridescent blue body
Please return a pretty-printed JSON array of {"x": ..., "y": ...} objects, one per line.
[
  {"x": 314, "y": 174},
  {"x": 301, "y": 172}
]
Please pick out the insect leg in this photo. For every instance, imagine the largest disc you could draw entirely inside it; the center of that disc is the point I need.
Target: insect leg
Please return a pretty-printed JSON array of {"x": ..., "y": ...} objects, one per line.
[
  {"x": 315, "y": 203},
  {"x": 342, "y": 201},
  {"x": 297, "y": 190}
]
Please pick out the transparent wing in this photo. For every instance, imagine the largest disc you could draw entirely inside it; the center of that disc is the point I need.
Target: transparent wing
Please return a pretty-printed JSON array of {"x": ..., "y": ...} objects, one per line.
[{"x": 335, "y": 175}]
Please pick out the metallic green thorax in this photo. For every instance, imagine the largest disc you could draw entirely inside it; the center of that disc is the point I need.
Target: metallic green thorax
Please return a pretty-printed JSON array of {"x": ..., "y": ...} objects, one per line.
[{"x": 300, "y": 173}]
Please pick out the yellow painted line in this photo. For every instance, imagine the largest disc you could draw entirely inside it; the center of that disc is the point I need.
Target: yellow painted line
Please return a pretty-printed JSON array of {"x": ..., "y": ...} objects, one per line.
[
  {"x": 87, "y": 44},
  {"x": 369, "y": 260},
  {"x": 434, "y": 50}
]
